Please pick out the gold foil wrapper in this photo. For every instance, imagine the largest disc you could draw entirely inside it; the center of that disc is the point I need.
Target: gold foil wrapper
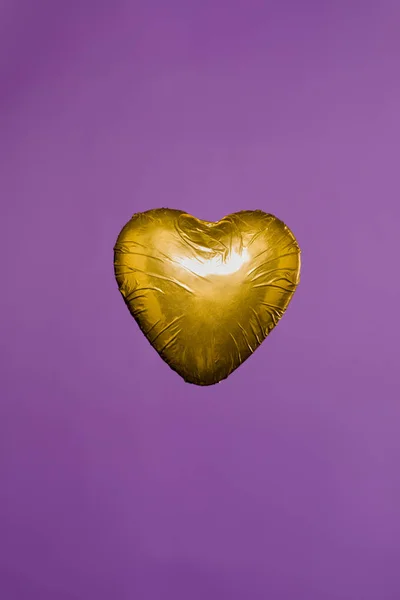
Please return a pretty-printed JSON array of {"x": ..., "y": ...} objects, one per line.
[{"x": 206, "y": 294}]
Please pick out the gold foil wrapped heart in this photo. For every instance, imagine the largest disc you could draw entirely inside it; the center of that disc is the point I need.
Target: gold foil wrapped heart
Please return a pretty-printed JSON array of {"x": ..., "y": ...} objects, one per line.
[{"x": 205, "y": 294}]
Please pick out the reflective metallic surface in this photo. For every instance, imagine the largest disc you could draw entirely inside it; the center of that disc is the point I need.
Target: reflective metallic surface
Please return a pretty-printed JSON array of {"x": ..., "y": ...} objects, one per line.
[{"x": 206, "y": 294}]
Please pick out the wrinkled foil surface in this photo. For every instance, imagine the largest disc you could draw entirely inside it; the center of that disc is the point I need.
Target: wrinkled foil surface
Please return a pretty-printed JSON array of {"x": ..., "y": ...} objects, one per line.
[{"x": 206, "y": 294}]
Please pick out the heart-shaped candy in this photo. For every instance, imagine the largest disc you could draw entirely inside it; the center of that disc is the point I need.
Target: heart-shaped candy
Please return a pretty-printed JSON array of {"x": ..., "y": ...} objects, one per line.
[{"x": 206, "y": 294}]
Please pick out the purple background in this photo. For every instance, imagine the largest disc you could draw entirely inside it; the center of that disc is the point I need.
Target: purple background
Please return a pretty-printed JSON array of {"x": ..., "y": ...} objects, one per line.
[{"x": 117, "y": 479}]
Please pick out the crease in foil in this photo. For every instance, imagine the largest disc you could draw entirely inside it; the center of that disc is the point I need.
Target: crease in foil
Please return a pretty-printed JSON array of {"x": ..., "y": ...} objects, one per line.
[{"x": 206, "y": 295}]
